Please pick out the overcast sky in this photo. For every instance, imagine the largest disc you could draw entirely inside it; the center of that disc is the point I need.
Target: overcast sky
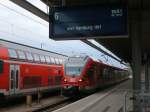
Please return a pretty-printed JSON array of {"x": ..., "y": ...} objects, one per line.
[{"x": 19, "y": 25}]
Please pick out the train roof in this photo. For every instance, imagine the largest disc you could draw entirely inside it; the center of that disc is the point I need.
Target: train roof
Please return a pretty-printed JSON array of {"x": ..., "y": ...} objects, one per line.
[
  {"x": 14, "y": 45},
  {"x": 86, "y": 57},
  {"x": 105, "y": 64}
]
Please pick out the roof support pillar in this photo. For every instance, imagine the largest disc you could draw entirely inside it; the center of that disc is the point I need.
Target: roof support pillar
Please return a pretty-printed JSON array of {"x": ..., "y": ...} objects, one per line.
[{"x": 136, "y": 35}]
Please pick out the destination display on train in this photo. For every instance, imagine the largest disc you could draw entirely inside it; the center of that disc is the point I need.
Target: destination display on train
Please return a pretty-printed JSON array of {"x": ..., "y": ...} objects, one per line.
[{"x": 87, "y": 22}]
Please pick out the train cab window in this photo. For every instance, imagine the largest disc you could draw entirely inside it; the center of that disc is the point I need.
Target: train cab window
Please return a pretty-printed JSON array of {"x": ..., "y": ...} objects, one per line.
[
  {"x": 29, "y": 56},
  {"x": 47, "y": 59},
  {"x": 36, "y": 57},
  {"x": 12, "y": 53},
  {"x": 90, "y": 72},
  {"x": 21, "y": 55},
  {"x": 42, "y": 58},
  {"x": 1, "y": 66}
]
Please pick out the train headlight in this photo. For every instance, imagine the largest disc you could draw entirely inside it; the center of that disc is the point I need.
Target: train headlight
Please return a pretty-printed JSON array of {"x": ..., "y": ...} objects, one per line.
[
  {"x": 80, "y": 80},
  {"x": 65, "y": 80}
]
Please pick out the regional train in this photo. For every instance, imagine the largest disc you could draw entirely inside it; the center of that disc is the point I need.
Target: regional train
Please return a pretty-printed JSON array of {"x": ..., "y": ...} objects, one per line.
[
  {"x": 25, "y": 69},
  {"x": 84, "y": 74}
]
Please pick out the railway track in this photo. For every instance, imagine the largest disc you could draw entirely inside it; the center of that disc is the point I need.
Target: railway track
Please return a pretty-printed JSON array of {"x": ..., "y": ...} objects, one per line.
[
  {"x": 46, "y": 105},
  {"x": 57, "y": 105},
  {"x": 19, "y": 105}
]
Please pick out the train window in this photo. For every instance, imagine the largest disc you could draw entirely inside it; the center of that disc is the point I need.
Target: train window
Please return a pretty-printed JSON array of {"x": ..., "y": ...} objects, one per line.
[
  {"x": 50, "y": 80},
  {"x": 17, "y": 79},
  {"x": 73, "y": 70},
  {"x": 90, "y": 72},
  {"x": 47, "y": 59},
  {"x": 21, "y": 55},
  {"x": 59, "y": 72},
  {"x": 42, "y": 58},
  {"x": 36, "y": 57},
  {"x": 29, "y": 56},
  {"x": 1, "y": 66},
  {"x": 57, "y": 61},
  {"x": 105, "y": 73},
  {"x": 12, "y": 53},
  {"x": 32, "y": 81},
  {"x": 58, "y": 80},
  {"x": 52, "y": 60},
  {"x": 60, "y": 61},
  {"x": 12, "y": 77}
]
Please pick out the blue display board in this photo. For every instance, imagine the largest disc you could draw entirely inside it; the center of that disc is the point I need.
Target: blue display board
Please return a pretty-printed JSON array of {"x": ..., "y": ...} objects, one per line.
[{"x": 87, "y": 22}]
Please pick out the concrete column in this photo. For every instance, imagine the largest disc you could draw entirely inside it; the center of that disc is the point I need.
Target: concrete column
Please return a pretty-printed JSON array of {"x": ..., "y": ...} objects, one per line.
[
  {"x": 149, "y": 74},
  {"x": 146, "y": 76},
  {"x": 135, "y": 35},
  {"x": 29, "y": 100},
  {"x": 39, "y": 96},
  {"x": 63, "y": 2}
]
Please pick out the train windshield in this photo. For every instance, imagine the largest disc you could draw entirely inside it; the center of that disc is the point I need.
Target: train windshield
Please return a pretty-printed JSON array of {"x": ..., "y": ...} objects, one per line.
[
  {"x": 74, "y": 66},
  {"x": 73, "y": 71}
]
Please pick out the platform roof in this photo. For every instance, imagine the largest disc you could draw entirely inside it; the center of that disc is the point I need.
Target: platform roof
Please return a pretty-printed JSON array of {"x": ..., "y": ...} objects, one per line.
[{"x": 119, "y": 46}]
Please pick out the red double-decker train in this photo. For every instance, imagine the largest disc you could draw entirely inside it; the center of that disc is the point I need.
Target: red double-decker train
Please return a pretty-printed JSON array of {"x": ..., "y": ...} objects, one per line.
[
  {"x": 85, "y": 74},
  {"x": 25, "y": 69}
]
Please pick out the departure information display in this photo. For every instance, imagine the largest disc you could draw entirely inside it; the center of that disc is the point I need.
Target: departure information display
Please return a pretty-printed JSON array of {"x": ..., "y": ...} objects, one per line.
[{"x": 87, "y": 22}]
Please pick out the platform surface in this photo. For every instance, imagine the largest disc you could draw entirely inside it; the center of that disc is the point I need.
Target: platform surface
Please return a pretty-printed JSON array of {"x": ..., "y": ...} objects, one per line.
[{"x": 114, "y": 99}]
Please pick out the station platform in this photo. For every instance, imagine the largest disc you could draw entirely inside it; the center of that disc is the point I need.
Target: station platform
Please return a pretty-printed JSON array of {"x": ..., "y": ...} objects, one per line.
[{"x": 114, "y": 99}]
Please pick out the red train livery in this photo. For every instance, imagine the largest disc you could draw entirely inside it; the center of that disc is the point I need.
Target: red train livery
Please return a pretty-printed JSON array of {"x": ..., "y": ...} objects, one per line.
[
  {"x": 24, "y": 69},
  {"x": 84, "y": 74}
]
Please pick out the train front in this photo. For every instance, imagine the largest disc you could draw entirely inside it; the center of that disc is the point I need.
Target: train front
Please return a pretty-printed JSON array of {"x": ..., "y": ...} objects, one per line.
[{"x": 73, "y": 77}]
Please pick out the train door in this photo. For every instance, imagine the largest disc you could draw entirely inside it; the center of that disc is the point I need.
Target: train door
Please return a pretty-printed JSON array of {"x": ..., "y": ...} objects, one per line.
[
  {"x": 58, "y": 77},
  {"x": 14, "y": 79},
  {"x": 91, "y": 75}
]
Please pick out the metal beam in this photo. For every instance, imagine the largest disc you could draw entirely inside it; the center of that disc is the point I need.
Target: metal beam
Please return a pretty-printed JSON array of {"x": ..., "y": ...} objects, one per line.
[
  {"x": 28, "y": 6},
  {"x": 101, "y": 50},
  {"x": 31, "y": 8}
]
